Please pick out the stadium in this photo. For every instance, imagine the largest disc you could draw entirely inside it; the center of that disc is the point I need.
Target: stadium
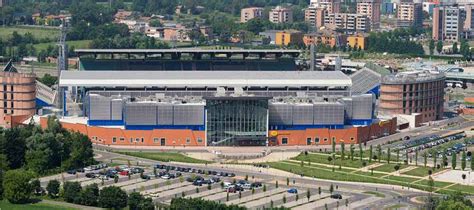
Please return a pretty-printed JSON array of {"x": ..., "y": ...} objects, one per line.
[{"x": 191, "y": 97}]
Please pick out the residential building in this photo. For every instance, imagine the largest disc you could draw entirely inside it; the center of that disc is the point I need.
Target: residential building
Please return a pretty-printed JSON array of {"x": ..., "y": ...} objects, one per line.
[
  {"x": 348, "y": 22},
  {"x": 357, "y": 41},
  {"x": 469, "y": 20},
  {"x": 409, "y": 14},
  {"x": 324, "y": 37},
  {"x": 332, "y": 6},
  {"x": 281, "y": 15},
  {"x": 428, "y": 7},
  {"x": 289, "y": 37},
  {"x": 247, "y": 14},
  {"x": 269, "y": 34},
  {"x": 415, "y": 92},
  {"x": 315, "y": 16},
  {"x": 448, "y": 23},
  {"x": 371, "y": 8}
]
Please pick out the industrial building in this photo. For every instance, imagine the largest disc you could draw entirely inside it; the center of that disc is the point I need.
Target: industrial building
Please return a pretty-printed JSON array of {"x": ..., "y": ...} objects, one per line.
[{"x": 214, "y": 107}]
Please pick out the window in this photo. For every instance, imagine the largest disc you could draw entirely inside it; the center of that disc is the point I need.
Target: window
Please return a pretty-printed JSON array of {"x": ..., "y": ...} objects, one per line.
[
  {"x": 308, "y": 141},
  {"x": 325, "y": 139},
  {"x": 131, "y": 140},
  {"x": 316, "y": 139},
  {"x": 163, "y": 141},
  {"x": 137, "y": 140},
  {"x": 156, "y": 140},
  {"x": 114, "y": 140},
  {"x": 352, "y": 139},
  {"x": 199, "y": 140},
  {"x": 188, "y": 141},
  {"x": 143, "y": 139},
  {"x": 284, "y": 140},
  {"x": 122, "y": 139}
]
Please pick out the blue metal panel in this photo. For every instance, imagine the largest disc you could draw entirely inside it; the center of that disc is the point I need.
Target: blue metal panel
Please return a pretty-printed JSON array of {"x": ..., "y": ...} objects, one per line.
[
  {"x": 40, "y": 103},
  {"x": 303, "y": 127},
  {"x": 360, "y": 121},
  {"x": 105, "y": 122},
  {"x": 152, "y": 127}
]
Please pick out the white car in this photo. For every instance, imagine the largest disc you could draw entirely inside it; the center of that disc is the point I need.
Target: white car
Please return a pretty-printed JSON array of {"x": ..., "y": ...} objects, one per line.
[
  {"x": 228, "y": 185},
  {"x": 166, "y": 176}
]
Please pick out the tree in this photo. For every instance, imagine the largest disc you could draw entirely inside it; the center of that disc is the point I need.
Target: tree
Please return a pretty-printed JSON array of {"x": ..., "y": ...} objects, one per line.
[
  {"x": 439, "y": 46},
  {"x": 432, "y": 46},
  {"x": 333, "y": 142},
  {"x": 472, "y": 163},
  {"x": 453, "y": 160},
  {"x": 361, "y": 152},
  {"x": 308, "y": 194},
  {"x": 463, "y": 160},
  {"x": 398, "y": 155},
  {"x": 388, "y": 155},
  {"x": 36, "y": 186},
  {"x": 17, "y": 188},
  {"x": 319, "y": 191},
  {"x": 343, "y": 149},
  {"x": 90, "y": 195},
  {"x": 445, "y": 159},
  {"x": 425, "y": 158},
  {"x": 416, "y": 157},
  {"x": 435, "y": 158},
  {"x": 455, "y": 48},
  {"x": 287, "y": 181},
  {"x": 396, "y": 167},
  {"x": 379, "y": 152},
  {"x": 352, "y": 150},
  {"x": 134, "y": 200},
  {"x": 72, "y": 191},
  {"x": 113, "y": 197},
  {"x": 276, "y": 184},
  {"x": 331, "y": 189},
  {"x": 370, "y": 154},
  {"x": 430, "y": 184},
  {"x": 53, "y": 188},
  {"x": 146, "y": 204}
]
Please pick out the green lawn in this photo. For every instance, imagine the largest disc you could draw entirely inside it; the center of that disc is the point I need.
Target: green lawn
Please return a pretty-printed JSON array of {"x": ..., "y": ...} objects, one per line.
[
  {"x": 402, "y": 179},
  {"x": 79, "y": 44},
  {"x": 164, "y": 156},
  {"x": 39, "y": 33},
  {"x": 323, "y": 158},
  {"x": 436, "y": 183},
  {"x": 420, "y": 171},
  {"x": 462, "y": 188},
  {"x": 375, "y": 174},
  {"x": 4, "y": 204},
  {"x": 389, "y": 167}
]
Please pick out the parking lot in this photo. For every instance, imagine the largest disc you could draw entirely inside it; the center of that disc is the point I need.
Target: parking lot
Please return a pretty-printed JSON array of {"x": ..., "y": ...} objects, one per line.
[{"x": 162, "y": 183}]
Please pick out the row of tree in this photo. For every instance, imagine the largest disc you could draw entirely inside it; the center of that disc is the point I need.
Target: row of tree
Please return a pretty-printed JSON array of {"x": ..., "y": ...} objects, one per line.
[{"x": 397, "y": 41}]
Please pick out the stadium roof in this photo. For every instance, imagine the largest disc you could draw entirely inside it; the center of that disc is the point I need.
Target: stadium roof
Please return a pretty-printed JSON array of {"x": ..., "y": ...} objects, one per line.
[
  {"x": 199, "y": 79},
  {"x": 186, "y": 50}
]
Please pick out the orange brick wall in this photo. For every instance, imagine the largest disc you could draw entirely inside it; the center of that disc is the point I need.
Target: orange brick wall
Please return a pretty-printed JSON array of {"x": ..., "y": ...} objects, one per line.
[{"x": 178, "y": 137}]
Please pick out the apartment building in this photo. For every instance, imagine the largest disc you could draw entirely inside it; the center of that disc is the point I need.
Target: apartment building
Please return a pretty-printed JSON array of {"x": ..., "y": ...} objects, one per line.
[
  {"x": 371, "y": 8},
  {"x": 247, "y": 14},
  {"x": 348, "y": 22},
  {"x": 315, "y": 16},
  {"x": 448, "y": 23},
  {"x": 281, "y": 15},
  {"x": 409, "y": 14}
]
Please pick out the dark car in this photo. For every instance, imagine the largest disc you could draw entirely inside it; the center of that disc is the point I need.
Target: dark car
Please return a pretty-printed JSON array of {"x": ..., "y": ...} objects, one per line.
[
  {"x": 198, "y": 182},
  {"x": 71, "y": 171},
  {"x": 90, "y": 175},
  {"x": 190, "y": 179},
  {"x": 256, "y": 185},
  {"x": 231, "y": 175},
  {"x": 235, "y": 189},
  {"x": 215, "y": 179},
  {"x": 137, "y": 170},
  {"x": 336, "y": 196},
  {"x": 178, "y": 174},
  {"x": 144, "y": 176},
  {"x": 80, "y": 170}
]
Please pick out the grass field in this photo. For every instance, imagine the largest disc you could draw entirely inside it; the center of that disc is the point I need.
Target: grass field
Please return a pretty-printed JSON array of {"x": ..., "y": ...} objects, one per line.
[
  {"x": 76, "y": 44},
  {"x": 39, "y": 33},
  {"x": 323, "y": 158},
  {"x": 421, "y": 171},
  {"x": 164, "y": 156},
  {"x": 4, "y": 204},
  {"x": 389, "y": 167}
]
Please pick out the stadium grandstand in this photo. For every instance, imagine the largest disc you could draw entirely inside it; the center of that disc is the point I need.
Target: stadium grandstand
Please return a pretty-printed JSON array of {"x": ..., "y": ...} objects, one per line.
[{"x": 223, "y": 105}]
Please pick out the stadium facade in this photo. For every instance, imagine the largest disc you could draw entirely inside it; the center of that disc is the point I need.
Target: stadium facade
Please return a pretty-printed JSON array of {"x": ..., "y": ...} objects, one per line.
[{"x": 214, "y": 98}]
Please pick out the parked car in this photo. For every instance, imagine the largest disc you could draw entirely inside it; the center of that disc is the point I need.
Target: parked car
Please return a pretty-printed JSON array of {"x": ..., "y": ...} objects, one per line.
[
  {"x": 71, "y": 171},
  {"x": 137, "y": 170},
  {"x": 166, "y": 176},
  {"x": 90, "y": 175},
  {"x": 256, "y": 185},
  {"x": 80, "y": 170},
  {"x": 336, "y": 196},
  {"x": 292, "y": 191}
]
